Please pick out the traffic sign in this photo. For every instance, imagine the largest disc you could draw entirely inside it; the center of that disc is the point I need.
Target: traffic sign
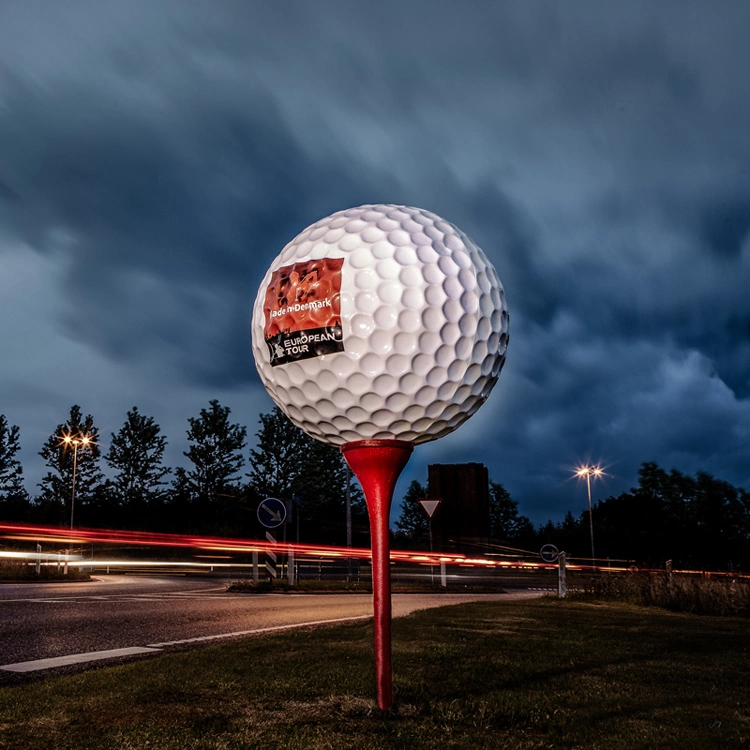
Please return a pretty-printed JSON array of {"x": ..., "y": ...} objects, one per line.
[
  {"x": 272, "y": 512},
  {"x": 430, "y": 505},
  {"x": 549, "y": 553}
]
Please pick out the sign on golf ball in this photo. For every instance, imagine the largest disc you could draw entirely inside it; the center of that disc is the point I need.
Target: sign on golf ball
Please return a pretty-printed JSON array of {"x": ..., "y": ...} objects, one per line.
[{"x": 380, "y": 322}]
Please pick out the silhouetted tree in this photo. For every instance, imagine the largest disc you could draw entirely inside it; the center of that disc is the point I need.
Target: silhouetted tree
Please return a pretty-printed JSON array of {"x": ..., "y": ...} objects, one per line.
[
  {"x": 572, "y": 535},
  {"x": 720, "y": 515},
  {"x": 506, "y": 525},
  {"x": 136, "y": 453},
  {"x": 413, "y": 523},
  {"x": 277, "y": 463},
  {"x": 213, "y": 484},
  {"x": 695, "y": 522},
  {"x": 292, "y": 466},
  {"x": 14, "y": 500},
  {"x": 321, "y": 489}
]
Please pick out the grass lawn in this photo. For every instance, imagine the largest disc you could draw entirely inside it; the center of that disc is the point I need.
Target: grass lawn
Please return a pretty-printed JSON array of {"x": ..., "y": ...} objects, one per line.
[{"x": 525, "y": 674}]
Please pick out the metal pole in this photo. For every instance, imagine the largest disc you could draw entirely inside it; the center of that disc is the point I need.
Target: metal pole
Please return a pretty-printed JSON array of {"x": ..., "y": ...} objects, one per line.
[
  {"x": 591, "y": 517},
  {"x": 432, "y": 569},
  {"x": 562, "y": 587},
  {"x": 288, "y": 506},
  {"x": 348, "y": 506},
  {"x": 348, "y": 521},
  {"x": 73, "y": 494},
  {"x": 72, "y": 501}
]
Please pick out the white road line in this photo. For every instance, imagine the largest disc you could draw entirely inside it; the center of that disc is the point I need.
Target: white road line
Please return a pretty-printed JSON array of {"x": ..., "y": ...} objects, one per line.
[
  {"x": 62, "y": 661},
  {"x": 117, "y": 598},
  {"x": 259, "y": 630}
]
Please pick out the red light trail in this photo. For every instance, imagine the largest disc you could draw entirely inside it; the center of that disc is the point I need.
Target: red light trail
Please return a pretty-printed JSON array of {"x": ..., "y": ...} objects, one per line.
[
  {"x": 66, "y": 538},
  {"x": 56, "y": 535}
]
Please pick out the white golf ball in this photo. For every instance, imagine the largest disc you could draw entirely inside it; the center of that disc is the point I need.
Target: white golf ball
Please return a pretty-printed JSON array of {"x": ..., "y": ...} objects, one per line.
[{"x": 380, "y": 322}]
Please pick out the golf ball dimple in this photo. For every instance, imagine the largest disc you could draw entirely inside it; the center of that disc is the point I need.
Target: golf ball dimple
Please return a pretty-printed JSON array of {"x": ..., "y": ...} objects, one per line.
[{"x": 380, "y": 322}]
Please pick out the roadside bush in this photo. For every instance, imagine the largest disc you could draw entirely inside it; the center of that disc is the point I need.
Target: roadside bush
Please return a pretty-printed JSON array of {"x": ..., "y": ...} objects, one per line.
[{"x": 695, "y": 595}]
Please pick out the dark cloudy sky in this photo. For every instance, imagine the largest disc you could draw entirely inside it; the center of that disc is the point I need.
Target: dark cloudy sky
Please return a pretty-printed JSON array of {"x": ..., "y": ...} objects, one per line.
[{"x": 156, "y": 156}]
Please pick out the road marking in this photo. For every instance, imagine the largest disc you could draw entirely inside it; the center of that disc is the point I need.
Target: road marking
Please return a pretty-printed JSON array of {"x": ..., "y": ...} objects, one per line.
[
  {"x": 258, "y": 630},
  {"x": 118, "y": 598},
  {"x": 63, "y": 661}
]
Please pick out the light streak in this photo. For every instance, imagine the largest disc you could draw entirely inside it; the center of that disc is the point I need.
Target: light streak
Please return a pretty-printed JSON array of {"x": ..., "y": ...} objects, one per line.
[
  {"x": 56, "y": 535},
  {"x": 41, "y": 556}
]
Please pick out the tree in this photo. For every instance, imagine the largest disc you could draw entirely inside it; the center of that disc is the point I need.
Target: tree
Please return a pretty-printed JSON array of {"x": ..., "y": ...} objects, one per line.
[
  {"x": 216, "y": 454},
  {"x": 572, "y": 535},
  {"x": 320, "y": 487},
  {"x": 503, "y": 513},
  {"x": 290, "y": 465},
  {"x": 136, "y": 453},
  {"x": 277, "y": 463},
  {"x": 14, "y": 500},
  {"x": 63, "y": 453},
  {"x": 506, "y": 525},
  {"x": 695, "y": 522},
  {"x": 413, "y": 524},
  {"x": 720, "y": 523}
]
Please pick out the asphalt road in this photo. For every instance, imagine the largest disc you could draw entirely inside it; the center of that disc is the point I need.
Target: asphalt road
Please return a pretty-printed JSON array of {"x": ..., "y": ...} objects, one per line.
[{"x": 138, "y": 616}]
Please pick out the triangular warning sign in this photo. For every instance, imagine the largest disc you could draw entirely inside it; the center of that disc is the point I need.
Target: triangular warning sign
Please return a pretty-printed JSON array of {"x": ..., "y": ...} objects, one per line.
[{"x": 430, "y": 505}]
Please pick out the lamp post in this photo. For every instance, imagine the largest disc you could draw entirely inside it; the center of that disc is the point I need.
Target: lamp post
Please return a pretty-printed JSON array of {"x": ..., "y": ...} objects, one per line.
[
  {"x": 588, "y": 471},
  {"x": 75, "y": 441}
]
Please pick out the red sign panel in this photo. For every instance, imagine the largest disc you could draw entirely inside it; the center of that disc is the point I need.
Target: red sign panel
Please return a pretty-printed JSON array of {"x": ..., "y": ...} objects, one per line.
[{"x": 303, "y": 311}]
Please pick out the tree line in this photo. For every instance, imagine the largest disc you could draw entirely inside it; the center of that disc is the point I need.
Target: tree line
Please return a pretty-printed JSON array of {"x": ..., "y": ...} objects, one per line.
[
  {"x": 699, "y": 523},
  {"x": 696, "y": 522},
  {"x": 217, "y": 492}
]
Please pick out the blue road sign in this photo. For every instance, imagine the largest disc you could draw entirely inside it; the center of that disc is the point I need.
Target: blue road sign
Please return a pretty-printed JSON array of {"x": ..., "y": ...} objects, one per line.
[
  {"x": 549, "y": 553},
  {"x": 272, "y": 512}
]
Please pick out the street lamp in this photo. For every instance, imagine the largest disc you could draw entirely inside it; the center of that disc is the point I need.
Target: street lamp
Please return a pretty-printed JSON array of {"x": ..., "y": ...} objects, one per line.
[
  {"x": 75, "y": 441},
  {"x": 588, "y": 471}
]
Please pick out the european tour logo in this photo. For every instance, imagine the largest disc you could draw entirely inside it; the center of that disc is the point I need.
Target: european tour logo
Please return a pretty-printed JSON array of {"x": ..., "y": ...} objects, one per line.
[{"x": 303, "y": 311}]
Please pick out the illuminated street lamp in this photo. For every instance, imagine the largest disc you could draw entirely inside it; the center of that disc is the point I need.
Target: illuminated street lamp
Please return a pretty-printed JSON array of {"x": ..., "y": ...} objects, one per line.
[
  {"x": 588, "y": 472},
  {"x": 75, "y": 441}
]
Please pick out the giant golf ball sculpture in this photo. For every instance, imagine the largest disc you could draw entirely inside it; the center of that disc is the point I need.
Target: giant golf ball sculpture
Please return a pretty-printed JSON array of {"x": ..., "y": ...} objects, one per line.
[{"x": 376, "y": 329}]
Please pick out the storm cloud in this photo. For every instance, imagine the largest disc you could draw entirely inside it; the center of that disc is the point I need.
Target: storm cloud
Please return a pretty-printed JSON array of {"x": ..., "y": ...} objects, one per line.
[{"x": 155, "y": 157}]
